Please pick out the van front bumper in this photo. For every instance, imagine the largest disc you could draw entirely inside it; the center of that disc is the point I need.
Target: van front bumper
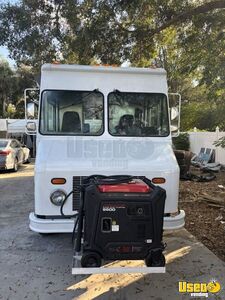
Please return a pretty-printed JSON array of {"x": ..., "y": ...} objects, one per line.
[
  {"x": 50, "y": 225},
  {"x": 66, "y": 225}
]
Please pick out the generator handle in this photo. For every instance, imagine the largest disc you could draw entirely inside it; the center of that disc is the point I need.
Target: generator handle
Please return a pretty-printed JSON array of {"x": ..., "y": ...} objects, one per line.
[
  {"x": 146, "y": 180},
  {"x": 115, "y": 179}
]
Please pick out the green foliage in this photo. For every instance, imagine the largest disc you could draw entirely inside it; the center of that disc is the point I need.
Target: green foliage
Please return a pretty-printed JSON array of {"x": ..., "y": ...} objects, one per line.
[
  {"x": 220, "y": 142},
  {"x": 12, "y": 85},
  {"x": 110, "y": 31},
  {"x": 203, "y": 115},
  {"x": 11, "y": 110},
  {"x": 6, "y": 84},
  {"x": 184, "y": 37},
  {"x": 182, "y": 142}
]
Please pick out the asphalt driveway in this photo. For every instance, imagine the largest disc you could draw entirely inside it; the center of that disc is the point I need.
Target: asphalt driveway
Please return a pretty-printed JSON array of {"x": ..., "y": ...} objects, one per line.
[{"x": 33, "y": 266}]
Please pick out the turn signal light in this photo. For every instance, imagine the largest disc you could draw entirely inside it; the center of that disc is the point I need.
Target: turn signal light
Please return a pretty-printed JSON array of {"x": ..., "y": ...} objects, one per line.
[
  {"x": 158, "y": 180},
  {"x": 58, "y": 181}
]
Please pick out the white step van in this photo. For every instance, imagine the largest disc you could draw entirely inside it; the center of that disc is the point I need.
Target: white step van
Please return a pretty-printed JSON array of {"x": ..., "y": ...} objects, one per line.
[{"x": 106, "y": 121}]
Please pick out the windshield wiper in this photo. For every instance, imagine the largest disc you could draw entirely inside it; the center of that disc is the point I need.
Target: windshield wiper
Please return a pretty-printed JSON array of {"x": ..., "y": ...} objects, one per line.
[{"x": 118, "y": 96}]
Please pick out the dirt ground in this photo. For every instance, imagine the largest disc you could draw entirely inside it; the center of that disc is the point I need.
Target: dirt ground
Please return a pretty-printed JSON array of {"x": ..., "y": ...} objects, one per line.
[{"x": 204, "y": 205}]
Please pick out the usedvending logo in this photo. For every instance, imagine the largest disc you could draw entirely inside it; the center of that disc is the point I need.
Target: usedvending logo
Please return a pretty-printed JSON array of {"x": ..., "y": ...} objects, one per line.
[{"x": 197, "y": 289}]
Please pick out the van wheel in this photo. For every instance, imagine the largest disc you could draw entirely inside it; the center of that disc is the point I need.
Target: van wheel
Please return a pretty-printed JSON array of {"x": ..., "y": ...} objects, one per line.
[
  {"x": 155, "y": 259},
  {"x": 15, "y": 169},
  {"x": 91, "y": 260}
]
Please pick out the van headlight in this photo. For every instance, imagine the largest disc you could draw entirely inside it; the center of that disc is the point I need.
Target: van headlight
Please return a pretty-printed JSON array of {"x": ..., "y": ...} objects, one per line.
[{"x": 57, "y": 197}]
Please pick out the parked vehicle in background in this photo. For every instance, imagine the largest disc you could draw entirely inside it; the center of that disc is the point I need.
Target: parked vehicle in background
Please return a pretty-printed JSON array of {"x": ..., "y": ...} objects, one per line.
[{"x": 12, "y": 154}]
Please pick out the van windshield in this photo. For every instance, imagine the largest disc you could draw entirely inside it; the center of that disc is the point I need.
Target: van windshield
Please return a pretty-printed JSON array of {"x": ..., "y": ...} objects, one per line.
[
  {"x": 138, "y": 114},
  {"x": 71, "y": 113}
]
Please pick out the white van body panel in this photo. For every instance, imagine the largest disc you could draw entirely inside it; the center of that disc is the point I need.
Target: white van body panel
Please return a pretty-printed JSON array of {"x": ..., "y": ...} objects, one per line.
[
  {"x": 83, "y": 157},
  {"x": 106, "y": 79},
  {"x": 68, "y": 156}
]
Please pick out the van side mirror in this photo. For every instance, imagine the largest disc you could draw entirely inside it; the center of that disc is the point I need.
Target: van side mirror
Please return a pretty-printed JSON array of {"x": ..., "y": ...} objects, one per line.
[
  {"x": 31, "y": 128},
  {"x": 175, "y": 105},
  {"x": 30, "y": 110},
  {"x": 174, "y": 113},
  {"x": 31, "y": 96}
]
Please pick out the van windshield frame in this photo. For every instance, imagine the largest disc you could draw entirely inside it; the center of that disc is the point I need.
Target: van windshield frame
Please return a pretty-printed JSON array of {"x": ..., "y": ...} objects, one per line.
[
  {"x": 135, "y": 110},
  {"x": 60, "y": 122}
]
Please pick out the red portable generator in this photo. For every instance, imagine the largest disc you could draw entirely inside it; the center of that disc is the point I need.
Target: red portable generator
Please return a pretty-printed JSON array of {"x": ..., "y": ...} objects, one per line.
[{"x": 122, "y": 219}]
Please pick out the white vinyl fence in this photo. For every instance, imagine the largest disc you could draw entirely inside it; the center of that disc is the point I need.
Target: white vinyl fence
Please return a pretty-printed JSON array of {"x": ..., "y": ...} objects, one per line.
[
  {"x": 4, "y": 123},
  {"x": 206, "y": 140}
]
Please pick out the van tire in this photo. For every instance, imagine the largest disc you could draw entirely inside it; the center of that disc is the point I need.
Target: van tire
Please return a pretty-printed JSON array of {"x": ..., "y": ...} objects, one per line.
[
  {"x": 156, "y": 259},
  {"x": 91, "y": 260}
]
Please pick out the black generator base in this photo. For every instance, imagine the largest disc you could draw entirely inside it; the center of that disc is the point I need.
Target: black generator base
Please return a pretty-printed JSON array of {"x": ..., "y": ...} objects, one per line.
[
  {"x": 92, "y": 259},
  {"x": 122, "y": 219}
]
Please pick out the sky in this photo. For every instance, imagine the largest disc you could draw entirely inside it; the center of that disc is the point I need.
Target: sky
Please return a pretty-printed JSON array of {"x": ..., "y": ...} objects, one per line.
[
  {"x": 5, "y": 54},
  {"x": 3, "y": 50}
]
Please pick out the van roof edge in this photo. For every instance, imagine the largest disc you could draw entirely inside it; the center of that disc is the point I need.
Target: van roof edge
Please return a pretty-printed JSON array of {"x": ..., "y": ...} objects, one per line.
[{"x": 87, "y": 68}]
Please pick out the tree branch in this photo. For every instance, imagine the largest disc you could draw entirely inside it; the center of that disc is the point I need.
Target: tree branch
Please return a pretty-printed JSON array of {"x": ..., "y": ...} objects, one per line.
[{"x": 189, "y": 14}]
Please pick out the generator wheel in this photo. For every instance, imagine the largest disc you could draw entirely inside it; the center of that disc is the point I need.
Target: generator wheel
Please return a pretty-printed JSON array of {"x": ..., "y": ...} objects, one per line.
[
  {"x": 91, "y": 260},
  {"x": 155, "y": 259}
]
